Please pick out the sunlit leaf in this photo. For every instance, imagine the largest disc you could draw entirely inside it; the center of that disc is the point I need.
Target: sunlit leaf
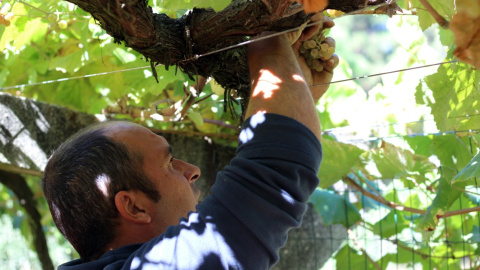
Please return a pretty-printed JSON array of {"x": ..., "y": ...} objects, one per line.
[
  {"x": 338, "y": 159},
  {"x": 394, "y": 162},
  {"x": 444, "y": 8},
  {"x": 470, "y": 171},
  {"x": 348, "y": 258},
  {"x": 445, "y": 197},
  {"x": 188, "y": 4},
  {"x": 456, "y": 96},
  {"x": 452, "y": 151},
  {"x": 391, "y": 224}
]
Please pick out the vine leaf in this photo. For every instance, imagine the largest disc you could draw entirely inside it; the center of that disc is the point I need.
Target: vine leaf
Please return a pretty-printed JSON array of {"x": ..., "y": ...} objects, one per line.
[
  {"x": 331, "y": 169},
  {"x": 470, "y": 171},
  {"x": 455, "y": 96},
  {"x": 394, "y": 162},
  {"x": 334, "y": 209},
  {"x": 425, "y": 19},
  {"x": 391, "y": 224},
  {"x": 196, "y": 118},
  {"x": 349, "y": 258},
  {"x": 445, "y": 197},
  {"x": 466, "y": 27},
  {"x": 187, "y": 4}
]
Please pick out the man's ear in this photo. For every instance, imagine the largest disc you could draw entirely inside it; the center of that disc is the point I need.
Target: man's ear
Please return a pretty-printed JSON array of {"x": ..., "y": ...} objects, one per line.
[{"x": 132, "y": 205}]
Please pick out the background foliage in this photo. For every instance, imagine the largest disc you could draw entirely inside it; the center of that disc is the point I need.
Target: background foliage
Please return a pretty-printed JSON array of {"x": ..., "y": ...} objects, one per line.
[{"x": 410, "y": 138}]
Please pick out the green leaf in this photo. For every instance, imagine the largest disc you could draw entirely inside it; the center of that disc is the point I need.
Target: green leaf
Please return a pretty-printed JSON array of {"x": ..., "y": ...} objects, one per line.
[
  {"x": 470, "y": 171},
  {"x": 70, "y": 62},
  {"x": 445, "y": 8},
  {"x": 452, "y": 151},
  {"x": 196, "y": 118},
  {"x": 217, "y": 5},
  {"x": 421, "y": 145},
  {"x": 446, "y": 37},
  {"x": 338, "y": 159},
  {"x": 348, "y": 258},
  {"x": 334, "y": 209},
  {"x": 394, "y": 162},
  {"x": 407, "y": 255},
  {"x": 455, "y": 97},
  {"x": 391, "y": 224},
  {"x": 445, "y": 197},
  {"x": 420, "y": 94},
  {"x": 475, "y": 234}
]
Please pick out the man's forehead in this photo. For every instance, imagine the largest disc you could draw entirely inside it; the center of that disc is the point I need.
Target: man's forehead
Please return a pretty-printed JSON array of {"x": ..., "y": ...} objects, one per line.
[{"x": 126, "y": 131}]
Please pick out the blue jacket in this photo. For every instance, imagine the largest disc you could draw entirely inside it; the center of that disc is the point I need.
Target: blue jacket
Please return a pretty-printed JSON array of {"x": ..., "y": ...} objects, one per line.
[{"x": 253, "y": 203}]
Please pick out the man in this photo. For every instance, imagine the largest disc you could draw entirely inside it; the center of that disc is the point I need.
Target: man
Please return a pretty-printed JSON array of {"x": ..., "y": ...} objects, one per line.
[{"x": 116, "y": 193}]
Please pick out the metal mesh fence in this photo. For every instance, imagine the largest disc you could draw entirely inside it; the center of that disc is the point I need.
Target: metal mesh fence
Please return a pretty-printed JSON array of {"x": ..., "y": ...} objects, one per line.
[{"x": 389, "y": 234}]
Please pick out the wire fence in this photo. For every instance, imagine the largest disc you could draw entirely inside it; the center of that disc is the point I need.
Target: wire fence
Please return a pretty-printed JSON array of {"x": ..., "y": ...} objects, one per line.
[{"x": 389, "y": 238}]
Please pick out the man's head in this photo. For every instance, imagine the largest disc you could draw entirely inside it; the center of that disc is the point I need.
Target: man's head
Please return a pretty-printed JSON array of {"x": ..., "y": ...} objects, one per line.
[{"x": 116, "y": 183}]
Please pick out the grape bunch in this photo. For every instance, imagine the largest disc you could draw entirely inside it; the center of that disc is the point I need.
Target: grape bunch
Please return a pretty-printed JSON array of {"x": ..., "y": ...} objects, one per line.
[
  {"x": 317, "y": 50},
  {"x": 5, "y": 15}
]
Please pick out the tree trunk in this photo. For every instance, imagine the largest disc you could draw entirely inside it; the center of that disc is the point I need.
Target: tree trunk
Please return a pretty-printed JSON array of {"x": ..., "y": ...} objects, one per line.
[
  {"x": 19, "y": 186},
  {"x": 180, "y": 42}
]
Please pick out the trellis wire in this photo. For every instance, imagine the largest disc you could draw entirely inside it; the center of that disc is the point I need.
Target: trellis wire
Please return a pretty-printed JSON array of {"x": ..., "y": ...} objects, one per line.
[{"x": 145, "y": 67}]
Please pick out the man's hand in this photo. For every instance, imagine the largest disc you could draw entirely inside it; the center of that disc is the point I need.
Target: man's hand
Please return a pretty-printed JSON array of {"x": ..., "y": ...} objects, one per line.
[{"x": 313, "y": 77}]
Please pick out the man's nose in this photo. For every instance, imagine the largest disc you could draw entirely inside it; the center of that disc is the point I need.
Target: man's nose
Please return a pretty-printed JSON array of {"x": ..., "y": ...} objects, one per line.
[{"x": 190, "y": 171}]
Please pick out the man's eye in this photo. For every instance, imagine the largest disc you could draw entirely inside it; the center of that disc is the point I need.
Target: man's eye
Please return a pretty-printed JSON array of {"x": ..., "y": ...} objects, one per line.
[{"x": 171, "y": 160}]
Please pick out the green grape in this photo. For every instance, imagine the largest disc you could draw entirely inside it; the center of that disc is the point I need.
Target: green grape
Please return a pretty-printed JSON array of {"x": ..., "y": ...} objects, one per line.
[
  {"x": 52, "y": 17},
  {"x": 317, "y": 50},
  {"x": 329, "y": 53},
  {"x": 324, "y": 47},
  {"x": 62, "y": 24},
  {"x": 311, "y": 44},
  {"x": 305, "y": 45}
]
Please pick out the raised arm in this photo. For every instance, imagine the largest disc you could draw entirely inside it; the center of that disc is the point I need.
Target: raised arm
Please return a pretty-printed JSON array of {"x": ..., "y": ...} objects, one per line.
[
  {"x": 282, "y": 83},
  {"x": 278, "y": 84}
]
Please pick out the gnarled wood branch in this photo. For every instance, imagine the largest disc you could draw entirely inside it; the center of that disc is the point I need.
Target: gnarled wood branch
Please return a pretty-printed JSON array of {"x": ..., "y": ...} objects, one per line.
[{"x": 170, "y": 41}]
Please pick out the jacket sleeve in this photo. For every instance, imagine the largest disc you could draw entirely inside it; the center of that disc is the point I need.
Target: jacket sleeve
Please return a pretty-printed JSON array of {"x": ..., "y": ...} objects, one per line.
[{"x": 254, "y": 202}]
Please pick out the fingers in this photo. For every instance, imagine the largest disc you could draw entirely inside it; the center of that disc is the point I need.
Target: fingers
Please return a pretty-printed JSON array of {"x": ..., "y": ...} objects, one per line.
[
  {"x": 328, "y": 23},
  {"x": 295, "y": 36},
  {"x": 330, "y": 41},
  {"x": 331, "y": 64},
  {"x": 313, "y": 30},
  {"x": 305, "y": 33}
]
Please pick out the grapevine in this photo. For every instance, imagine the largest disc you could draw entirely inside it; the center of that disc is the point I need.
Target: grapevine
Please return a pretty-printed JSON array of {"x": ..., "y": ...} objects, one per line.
[
  {"x": 317, "y": 50},
  {"x": 5, "y": 15}
]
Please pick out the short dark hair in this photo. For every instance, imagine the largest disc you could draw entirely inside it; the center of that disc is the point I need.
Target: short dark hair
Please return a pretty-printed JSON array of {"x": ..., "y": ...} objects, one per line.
[{"x": 80, "y": 182}]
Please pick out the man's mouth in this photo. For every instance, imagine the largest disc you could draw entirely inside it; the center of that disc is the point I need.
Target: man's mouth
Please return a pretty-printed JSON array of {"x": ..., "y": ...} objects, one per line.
[{"x": 196, "y": 191}]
